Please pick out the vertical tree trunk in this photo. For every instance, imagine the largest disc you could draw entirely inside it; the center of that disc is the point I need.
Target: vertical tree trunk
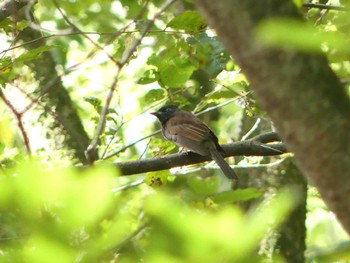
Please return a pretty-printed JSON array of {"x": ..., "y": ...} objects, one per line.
[
  {"x": 291, "y": 242},
  {"x": 300, "y": 92}
]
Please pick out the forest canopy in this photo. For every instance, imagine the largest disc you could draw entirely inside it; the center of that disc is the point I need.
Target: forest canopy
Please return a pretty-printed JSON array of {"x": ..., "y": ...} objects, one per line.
[{"x": 86, "y": 175}]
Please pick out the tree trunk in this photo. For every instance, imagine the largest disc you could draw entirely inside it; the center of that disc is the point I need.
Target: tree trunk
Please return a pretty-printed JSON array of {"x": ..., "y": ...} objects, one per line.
[
  {"x": 300, "y": 92},
  {"x": 54, "y": 95}
]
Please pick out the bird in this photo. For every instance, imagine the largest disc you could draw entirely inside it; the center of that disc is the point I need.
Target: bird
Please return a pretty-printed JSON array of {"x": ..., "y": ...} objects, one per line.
[{"x": 188, "y": 131}]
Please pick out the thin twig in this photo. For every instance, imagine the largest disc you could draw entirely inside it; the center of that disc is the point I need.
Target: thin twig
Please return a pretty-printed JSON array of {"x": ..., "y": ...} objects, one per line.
[
  {"x": 131, "y": 144},
  {"x": 35, "y": 101},
  {"x": 102, "y": 123},
  {"x": 129, "y": 238},
  {"x": 84, "y": 35},
  {"x": 323, "y": 6},
  {"x": 255, "y": 126},
  {"x": 131, "y": 185},
  {"x": 137, "y": 42},
  {"x": 18, "y": 116},
  {"x": 125, "y": 58},
  {"x": 119, "y": 32}
]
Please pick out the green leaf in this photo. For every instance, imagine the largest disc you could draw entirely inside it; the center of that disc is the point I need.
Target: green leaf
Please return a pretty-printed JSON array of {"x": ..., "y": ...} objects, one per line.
[
  {"x": 339, "y": 254},
  {"x": 154, "y": 95},
  {"x": 157, "y": 179},
  {"x": 176, "y": 72},
  {"x": 6, "y": 134},
  {"x": 190, "y": 21},
  {"x": 205, "y": 186},
  {"x": 32, "y": 54},
  {"x": 237, "y": 195},
  {"x": 209, "y": 52},
  {"x": 95, "y": 102},
  {"x": 173, "y": 69},
  {"x": 298, "y": 35},
  {"x": 6, "y": 72},
  {"x": 6, "y": 25},
  {"x": 298, "y": 3},
  {"x": 149, "y": 76}
]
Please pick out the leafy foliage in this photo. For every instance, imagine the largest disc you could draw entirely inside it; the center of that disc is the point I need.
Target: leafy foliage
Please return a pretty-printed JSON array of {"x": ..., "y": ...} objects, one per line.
[
  {"x": 74, "y": 213},
  {"x": 93, "y": 214}
]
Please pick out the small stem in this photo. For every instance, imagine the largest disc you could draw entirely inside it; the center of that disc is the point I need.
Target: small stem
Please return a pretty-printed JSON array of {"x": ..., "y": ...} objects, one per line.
[{"x": 18, "y": 116}]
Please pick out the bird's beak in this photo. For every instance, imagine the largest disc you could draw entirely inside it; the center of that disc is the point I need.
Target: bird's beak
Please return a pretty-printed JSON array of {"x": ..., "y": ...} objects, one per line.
[{"x": 154, "y": 113}]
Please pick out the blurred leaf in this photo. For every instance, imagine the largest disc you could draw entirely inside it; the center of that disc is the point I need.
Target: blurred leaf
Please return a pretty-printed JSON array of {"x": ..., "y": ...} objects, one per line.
[
  {"x": 61, "y": 187},
  {"x": 154, "y": 95},
  {"x": 6, "y": 25},
  {"x": 149, "y": 76},
  {"x": 176, "y": 72},
  {"x": 237, "y": 195},
  {"x": 190, "y": 21},
  {"x": 95, "y": 102},
  {"x": 209, "y": 52},
  {"x": 42, "y": 249},
  {"x": 6, "y": 134},
  {"x": 157, "y": 179},
  {"x": 340, "y": 254},
  {"x": 295, "y": 34},
  {"x": 10, "y": 26},
  {"x": 205, "y": 186},
  {"x": 87, "y": 208},
  {"x": 4, "y": 62},
  {"x": 202, "y": 236},
  {"x": 33, "y": 54},
  {"x": 270, "y": 213},
  {"x": 6, "y": 70},
  {"x": 132, "y": 7},
  {"x": 298, "y": 3}
]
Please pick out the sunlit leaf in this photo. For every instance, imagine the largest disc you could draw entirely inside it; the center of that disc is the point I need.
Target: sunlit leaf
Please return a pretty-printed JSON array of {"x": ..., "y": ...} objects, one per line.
[
  {"x": 237, "y": 195},
  {"x": 154, "y": 95},
  {"x": 176, "y": 72},
  {"x": 190, "y": 21},
  {"x": 6, "y": 134},
  {"x": 298, "y": 35},
  {"x": 32, "y": 54},
  {"x": 43, "y": 249},
  {"x": 148, "y": 77},
  {"x": 205, "y": 186}
]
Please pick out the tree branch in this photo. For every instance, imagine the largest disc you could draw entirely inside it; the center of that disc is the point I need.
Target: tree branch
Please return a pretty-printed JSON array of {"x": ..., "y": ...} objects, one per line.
[
  {"x": 246, "y": 148},
  {"x": 266, "y": 137},
  {"x": 325, "y": 7},
  {"x": 18, "y": 116},
  {"x": 11, "y": 7}
]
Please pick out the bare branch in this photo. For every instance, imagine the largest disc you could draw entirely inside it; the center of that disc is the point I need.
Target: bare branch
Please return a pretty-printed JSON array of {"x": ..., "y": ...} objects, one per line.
[
  {"x": 19, "y": 117},
  {"x": 327, "y": 7},
  {"x": 246, "y": 148},
  {"x": 11, "y": 7}
]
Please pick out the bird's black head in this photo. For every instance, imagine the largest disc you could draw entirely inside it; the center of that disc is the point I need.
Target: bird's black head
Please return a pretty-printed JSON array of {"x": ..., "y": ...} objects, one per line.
[{"x": 165, "y": 112}]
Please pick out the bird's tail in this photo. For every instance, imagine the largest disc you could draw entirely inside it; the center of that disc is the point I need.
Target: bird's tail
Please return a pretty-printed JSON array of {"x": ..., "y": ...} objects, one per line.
[{"x": 226, "y": 169}]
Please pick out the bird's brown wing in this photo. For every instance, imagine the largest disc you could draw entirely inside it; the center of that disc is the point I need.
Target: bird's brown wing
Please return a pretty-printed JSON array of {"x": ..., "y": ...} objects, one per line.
[{"x": 187, "y": 125}]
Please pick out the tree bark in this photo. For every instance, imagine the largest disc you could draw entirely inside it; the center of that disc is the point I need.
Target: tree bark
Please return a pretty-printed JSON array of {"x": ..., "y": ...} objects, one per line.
[
  {"x": 11, "y": 7},
  {"x": 301, "y": 94},
  {"x": 55, "y": 96},
  {"x": 291, "y": 242},
  {"x": 246, "y": 148}
]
